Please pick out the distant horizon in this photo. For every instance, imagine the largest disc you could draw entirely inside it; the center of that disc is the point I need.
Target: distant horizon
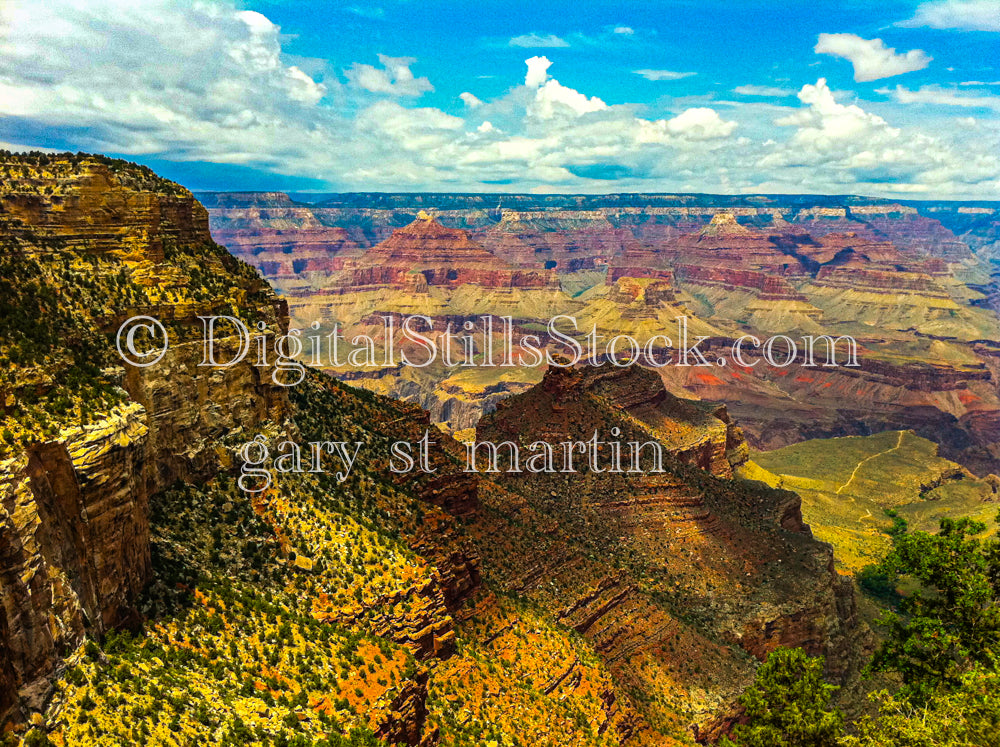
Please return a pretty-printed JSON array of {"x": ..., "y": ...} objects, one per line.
[{"x": 291, "y": 194}]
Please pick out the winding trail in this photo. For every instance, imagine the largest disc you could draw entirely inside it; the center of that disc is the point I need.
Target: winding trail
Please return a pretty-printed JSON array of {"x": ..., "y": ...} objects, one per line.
[{"x": 863, "y": 462}]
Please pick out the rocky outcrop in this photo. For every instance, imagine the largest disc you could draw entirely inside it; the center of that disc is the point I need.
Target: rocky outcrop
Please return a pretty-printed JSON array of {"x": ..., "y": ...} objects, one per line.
[
  {"x": 74, "y": 505},
  {"x": 402, "y": 720},
  {"x": 566, "y": 397},
  {"x": 766, "y": 287},
  {"x": 427, "y": 252},
  {"x": 693, "y": 533},
  {"x": 640, "y": 300},
  {"x": 879, "y": 281}
]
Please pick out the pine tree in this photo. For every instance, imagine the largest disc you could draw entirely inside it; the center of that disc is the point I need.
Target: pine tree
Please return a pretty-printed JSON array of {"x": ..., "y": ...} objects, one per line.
[
  {"x": 788, "y": 705},
  {"x": 952, "y": 622}
]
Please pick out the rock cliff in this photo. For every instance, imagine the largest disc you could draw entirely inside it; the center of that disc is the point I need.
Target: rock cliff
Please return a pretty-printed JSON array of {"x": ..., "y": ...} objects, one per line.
[
  {"x": 690, "y": 538},
  {"x": 103, "y": 240}
]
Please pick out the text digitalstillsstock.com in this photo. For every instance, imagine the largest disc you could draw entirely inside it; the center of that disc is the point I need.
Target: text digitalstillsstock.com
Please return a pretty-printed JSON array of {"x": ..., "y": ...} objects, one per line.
[{"x": 490, "y": 342}]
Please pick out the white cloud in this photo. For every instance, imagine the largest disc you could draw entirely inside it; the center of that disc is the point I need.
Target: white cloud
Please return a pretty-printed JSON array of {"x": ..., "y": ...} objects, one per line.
[
  {"x": 939, "y": 96},
  {"x": 700, "y": 123},
  {"x": 537, "y": 71},
  {"x": 553, "y": 98},
  {"x": 825, "y": 123},
  {"x": 862, "y": 152},
  {"x": 208, "y": 82},
  {"x": 394, "y": 77},
  {"x": 624, "y": 30},
  {"x": 871, "y": 58},
  {"x": 538, "y": 41},
  {"x": 411, "y": 129},
  {"x": 765, "y": 91},
  {"x": 662, "y": 74},
  {"x": 200, "y": 82},
  {"x": 967, "y": 15}
]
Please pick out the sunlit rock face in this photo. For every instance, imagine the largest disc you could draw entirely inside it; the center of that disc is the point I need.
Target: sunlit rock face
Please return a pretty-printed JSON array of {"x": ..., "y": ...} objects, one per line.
[{"x": 75, "y": 498}]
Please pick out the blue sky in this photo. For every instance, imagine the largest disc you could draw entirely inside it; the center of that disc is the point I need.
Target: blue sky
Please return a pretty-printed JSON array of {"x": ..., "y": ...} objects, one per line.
[{"x": 896, "y": 98}]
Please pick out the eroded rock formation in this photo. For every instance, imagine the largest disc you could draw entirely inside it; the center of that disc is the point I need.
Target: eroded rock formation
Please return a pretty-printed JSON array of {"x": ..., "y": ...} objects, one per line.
[{"x": 74, "y": 502}]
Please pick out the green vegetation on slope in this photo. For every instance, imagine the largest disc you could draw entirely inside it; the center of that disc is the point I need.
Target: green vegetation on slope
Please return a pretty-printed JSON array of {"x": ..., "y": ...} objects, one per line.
[{"x": 847, "y": 484}]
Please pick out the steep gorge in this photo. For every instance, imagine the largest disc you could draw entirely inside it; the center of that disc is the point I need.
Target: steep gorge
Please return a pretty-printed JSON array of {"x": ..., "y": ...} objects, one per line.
[{"x": 421, "y": 608}]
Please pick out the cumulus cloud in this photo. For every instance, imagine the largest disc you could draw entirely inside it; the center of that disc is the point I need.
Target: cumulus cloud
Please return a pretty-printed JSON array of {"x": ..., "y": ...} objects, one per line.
[
  {"x": 824, "y": 124},
  {"x": 861, "y": 150},
  {"x": 698, "y": 123},
  {"x": 662, "y": 74},
  {"x": 553, "y": 98},
  {"x": 624, "y": 30},
  {"x": 394, "y": 77},
  {"x": 967, "y": 15},
  {"x": 210, "y": 82},
  {"x": 202, "y": 81},
  {"x": 538, "y": 41},
  {"x": 537, "y": 71},
  {"x": 871, "y": 58}
]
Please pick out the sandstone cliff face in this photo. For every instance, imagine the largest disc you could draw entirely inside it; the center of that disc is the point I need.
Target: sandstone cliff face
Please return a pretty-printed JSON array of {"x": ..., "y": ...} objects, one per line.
[
  {"x": 92, "y": 212},
  {"x": 74, "y": 504},
  {"x": 565, "y": 240},
  {"x": 77, "y": 548}
]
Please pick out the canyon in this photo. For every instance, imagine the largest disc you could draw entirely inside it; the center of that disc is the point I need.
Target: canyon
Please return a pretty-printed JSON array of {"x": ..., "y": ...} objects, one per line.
[
  {"x": 915, "y": 283},
  {"x": 145, "y": 596}
]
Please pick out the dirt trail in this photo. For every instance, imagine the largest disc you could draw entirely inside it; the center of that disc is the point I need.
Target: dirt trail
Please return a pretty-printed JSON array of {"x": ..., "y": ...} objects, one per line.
[{"x": 863, "y": 462}]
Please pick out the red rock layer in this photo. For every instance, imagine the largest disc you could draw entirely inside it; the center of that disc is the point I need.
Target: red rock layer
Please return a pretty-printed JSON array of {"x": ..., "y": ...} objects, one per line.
[
  {"x": 879, "y": 281},
  {"x": 724, "y": 242},
  {"x": 279, "y": 237},
  {"x": 282, "y": 253},
  {"x": 427, "y": 252},
  {"x": 525, "y": 244},
  {"x": 770, "y": 287}
]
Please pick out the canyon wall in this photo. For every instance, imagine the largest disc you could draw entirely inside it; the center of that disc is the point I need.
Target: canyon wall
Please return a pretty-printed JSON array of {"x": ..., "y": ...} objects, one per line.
[{"x": 75, "y": 502}]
